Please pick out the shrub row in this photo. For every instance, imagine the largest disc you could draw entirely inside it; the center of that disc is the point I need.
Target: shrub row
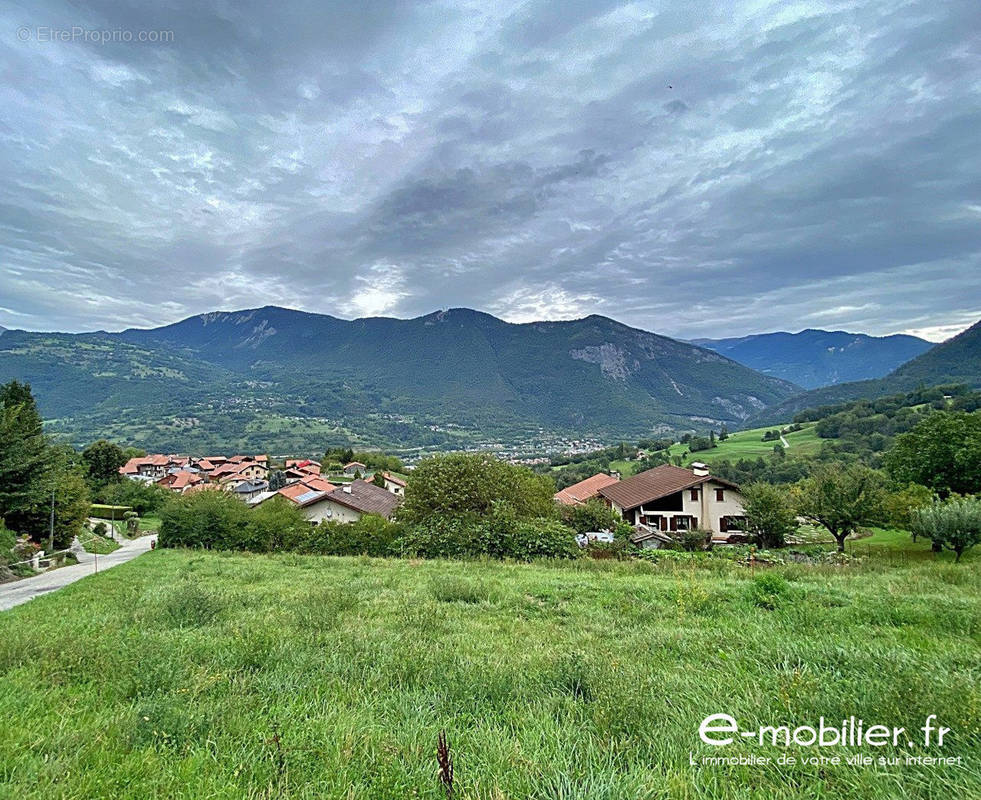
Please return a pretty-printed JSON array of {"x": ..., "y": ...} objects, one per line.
[{"x": 216, "y": 520}]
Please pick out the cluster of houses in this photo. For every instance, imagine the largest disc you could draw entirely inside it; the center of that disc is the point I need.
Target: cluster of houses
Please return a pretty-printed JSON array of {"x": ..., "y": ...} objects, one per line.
[
  {"x": 665, "y": 500},
  {"x": 658, "y": 502},
  {"x": 300, "y": 481}
]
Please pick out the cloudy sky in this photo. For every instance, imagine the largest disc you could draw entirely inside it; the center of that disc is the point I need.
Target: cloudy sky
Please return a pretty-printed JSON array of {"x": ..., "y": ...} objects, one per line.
[{"x": 697, "y": 169}]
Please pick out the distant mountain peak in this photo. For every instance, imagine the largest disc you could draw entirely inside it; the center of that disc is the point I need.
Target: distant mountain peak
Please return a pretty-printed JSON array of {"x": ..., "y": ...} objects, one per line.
[{"x": 812, "y": 357}]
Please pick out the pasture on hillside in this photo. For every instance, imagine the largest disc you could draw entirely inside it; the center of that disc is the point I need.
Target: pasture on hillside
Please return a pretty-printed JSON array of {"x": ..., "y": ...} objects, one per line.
[
  {"x": 740, "y": 444},
  {"x": 190, "y": 674},
  {"x": 750, "y": 444}
]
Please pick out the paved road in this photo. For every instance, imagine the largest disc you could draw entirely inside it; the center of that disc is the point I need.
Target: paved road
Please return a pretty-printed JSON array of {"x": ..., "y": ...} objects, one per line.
[{"x": 17, "y": 592}]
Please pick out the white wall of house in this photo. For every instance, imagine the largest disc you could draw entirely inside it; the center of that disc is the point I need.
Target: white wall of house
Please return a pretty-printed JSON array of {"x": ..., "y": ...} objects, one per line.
[
  {"x": 329, "y": 510},
  {"x": 700, "y": 507},
  {"x": 394, "y": 488}
]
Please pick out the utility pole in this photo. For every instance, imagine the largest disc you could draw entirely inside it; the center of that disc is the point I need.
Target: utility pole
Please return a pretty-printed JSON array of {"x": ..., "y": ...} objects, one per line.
[{"x": 51, "y": 532}]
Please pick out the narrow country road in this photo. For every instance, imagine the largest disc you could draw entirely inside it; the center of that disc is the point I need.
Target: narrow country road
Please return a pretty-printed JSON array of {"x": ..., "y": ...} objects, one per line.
[
  {"x": 783, "y": 439},
  {"x": 17, "y": 592}
]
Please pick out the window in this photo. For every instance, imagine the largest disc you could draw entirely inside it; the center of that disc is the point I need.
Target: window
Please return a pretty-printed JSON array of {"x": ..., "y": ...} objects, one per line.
[
  {"x": 720, "y": 495},
  {"x": 694, "y": 494}
]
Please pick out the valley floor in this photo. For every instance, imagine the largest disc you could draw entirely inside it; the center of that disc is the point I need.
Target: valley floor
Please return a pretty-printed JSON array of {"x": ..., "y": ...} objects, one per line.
[{"x": 191, "y": 675}]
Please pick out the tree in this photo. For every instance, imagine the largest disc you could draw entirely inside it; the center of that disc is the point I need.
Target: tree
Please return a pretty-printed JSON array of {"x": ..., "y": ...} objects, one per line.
[
  {"x": 24, "y": 457},
  {"x": 471, "y": 484},
  {"x": 723, "y": 432},
  {"x": 952, "y": 525},
  {"x": 71, "y": 501},
  {"x": 770, "y": 516},
  {"x": 103, "y": 460},
  {"x": 842, "y": 498},
  {"x": 379, "y": 480},
  {"x": 277, "y": 480},
  {"x": 898, "y": 505},
  {"x": 593, "y": 515},
  {"x": 942, "y": 452}
]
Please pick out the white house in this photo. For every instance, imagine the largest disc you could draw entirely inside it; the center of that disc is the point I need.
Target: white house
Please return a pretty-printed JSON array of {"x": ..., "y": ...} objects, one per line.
[
  {"x": 349, "y": 502},
  {"x": 669, "y": 498}
]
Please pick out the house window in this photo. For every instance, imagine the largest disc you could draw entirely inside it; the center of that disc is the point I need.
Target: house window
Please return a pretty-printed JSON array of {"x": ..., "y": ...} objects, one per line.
[
  {"x": 694, "y": 494},
  {"x": 720, "y": 495}
]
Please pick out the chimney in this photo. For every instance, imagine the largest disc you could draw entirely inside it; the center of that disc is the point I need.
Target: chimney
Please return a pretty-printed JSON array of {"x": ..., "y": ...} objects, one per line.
[{"x": 699, "y": 469}]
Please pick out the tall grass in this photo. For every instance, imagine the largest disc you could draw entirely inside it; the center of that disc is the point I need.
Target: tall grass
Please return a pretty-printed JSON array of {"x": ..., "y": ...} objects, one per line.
[{"x": 192, "y": 675}]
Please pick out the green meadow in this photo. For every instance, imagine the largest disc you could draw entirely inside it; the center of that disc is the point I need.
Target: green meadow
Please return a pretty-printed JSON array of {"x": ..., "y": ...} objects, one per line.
[
  {"x": 749, "y": 444},
  {"x": 212, "y": 675}
]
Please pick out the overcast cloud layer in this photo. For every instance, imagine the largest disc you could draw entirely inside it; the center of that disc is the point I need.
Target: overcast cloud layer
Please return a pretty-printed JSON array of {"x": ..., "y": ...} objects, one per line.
[{"x": 694, "y": 169}]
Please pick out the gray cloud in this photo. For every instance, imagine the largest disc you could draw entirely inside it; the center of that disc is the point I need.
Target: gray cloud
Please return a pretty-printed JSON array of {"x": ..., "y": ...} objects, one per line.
[{"x": 738, "y": 169}]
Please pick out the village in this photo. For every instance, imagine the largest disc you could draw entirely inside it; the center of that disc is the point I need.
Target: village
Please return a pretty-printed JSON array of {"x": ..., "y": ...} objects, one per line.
[
  {"x": 658, "y": 503},
  {"x": 342, "y": 497}
]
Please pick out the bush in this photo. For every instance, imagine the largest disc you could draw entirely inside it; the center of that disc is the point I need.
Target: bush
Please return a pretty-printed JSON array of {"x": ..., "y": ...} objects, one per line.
[
  {"x": 372, "y": 535},
  {"x": 447, "y": 537},
  {"x": 538, "y": 538},
  {"x": 219, "y": 521},
  {"x": 694, "y": 540},
  {"x": 276, "y": 524},
  {"x": 619, "y": 549},
  {"x": 100, "y": 529},
  {"x": 467, "y": 484},
  {"x": 143, "y": 498},
  {"x": 769, "y": 591}
]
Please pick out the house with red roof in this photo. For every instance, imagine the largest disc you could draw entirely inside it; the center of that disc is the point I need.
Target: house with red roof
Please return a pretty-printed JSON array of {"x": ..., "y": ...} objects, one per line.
[{"x": 585, "y": 490}]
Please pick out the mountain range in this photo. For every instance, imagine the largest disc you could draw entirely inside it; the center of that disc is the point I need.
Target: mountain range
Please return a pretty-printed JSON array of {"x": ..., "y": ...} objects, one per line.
[
  {"x": 284, "y": 381},
  {"x": 956, "y": 361},
  {"x": 815, "y": 358}
]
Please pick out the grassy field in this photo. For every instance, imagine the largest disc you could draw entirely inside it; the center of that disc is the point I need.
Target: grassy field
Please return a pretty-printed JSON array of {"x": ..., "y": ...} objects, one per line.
[
  {"x": 149, "y": 523},
  {"x": 195, "y": 675},
  {"x": 93, "y": 543},
  {"x": 749, "y": 444},
  {"x": 741, "y": 444}
]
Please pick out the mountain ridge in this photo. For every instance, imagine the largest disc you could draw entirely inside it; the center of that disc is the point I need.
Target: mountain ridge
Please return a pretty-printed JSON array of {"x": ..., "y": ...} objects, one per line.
[
  {"x": 955, "y": 361},
  {"x": 446, "y": 378},
  {"x": 813, "y": 357}
]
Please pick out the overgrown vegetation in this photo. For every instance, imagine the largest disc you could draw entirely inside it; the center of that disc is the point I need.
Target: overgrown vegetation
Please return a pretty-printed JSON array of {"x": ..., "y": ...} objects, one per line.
[{"x": 194, "y": 674}]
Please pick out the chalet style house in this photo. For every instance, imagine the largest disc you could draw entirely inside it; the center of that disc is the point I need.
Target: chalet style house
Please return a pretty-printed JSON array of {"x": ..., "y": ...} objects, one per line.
[{"x": 668, "y": 498}]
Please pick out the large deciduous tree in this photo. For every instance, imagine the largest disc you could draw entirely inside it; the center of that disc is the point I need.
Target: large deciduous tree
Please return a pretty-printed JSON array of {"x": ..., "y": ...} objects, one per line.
[
  {"x": 465, "y": 484},
  {"x": 103, "y": 460},
  {"x": 942, "y": 452},
  {"x": 842, "y": 498}
]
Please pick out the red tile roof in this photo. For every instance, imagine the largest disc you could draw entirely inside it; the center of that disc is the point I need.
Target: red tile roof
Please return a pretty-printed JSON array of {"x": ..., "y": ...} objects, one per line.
[
  {"x": 295, "y": 490},
  {"x": 584, "y": 490}
]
